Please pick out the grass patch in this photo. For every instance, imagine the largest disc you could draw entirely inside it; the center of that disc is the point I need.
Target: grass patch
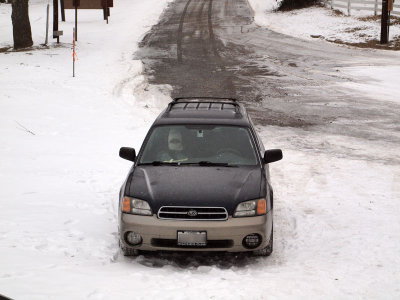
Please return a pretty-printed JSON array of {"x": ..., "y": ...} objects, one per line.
[{"x": 394, "y": 44}]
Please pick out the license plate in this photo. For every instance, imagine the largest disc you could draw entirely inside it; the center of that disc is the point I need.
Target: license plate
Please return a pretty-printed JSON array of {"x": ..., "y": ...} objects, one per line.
[{"x": 192, "y": 238}]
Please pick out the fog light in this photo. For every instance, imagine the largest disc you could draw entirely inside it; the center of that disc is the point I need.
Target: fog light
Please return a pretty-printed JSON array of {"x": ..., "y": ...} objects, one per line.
[
  {"x": 133, "y": 238},
  {"x": 252, "y": 241}
]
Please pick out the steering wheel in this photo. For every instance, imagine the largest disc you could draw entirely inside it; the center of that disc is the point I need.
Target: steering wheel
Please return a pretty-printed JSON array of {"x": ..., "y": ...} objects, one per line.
[{"x": 222, "y": 151}]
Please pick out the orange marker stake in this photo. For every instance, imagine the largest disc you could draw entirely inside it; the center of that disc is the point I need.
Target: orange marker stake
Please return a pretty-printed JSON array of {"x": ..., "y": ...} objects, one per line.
[{"x": 74, "y": 56}]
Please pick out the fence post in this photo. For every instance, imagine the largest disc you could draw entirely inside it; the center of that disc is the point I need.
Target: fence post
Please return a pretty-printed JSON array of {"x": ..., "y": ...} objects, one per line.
[
  {"x": 55, "y": 21},
  {"x": 47, "y": 25},
  {"x": 376, "y": 8},
  {"x": 331, "y": 4},
  {"x": 348, "y": 7}
]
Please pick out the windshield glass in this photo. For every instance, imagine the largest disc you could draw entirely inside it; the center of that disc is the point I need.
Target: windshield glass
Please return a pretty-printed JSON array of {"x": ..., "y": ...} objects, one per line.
[{"x": 199, "y": 144}]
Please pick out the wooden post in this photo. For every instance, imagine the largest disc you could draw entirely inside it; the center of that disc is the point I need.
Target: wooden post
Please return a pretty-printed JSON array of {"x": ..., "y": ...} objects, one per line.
[
  {"x": 384, "y": 22},
  {"x": 106, "y": 11},
  {"x": 55, "y": 20},
  {"x": 47, "y": 24},
  {"x": 331, "y": 4},
  {"x": 62, "y": 10},
  {"x": 105, "y": 14},
  {"x": 76, "y": 20},
  {"x": 73, "y": 53},
  {"x": 376, "y": 8}
]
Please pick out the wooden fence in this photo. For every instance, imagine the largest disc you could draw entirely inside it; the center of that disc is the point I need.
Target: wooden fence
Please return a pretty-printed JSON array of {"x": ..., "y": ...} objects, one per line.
[{"x": 374, "y": 6}]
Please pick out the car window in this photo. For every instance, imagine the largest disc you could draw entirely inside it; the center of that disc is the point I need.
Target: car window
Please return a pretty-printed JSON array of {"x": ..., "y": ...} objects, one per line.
[{"x": 199, "y": 143}]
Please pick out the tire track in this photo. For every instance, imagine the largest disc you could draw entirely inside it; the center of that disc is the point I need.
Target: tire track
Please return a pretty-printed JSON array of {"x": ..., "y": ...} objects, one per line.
[
  {"x": 180, "y": 32},
  {"x": 210, "y": 30},
  {"x": 200, "y": 13},
  {"x": 199, "y": 21},
  {"x": 211, "y": 34}
]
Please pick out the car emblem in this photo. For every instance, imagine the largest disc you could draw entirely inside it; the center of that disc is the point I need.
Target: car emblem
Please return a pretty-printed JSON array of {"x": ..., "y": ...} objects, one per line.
[{"x": 192, "y": 213}]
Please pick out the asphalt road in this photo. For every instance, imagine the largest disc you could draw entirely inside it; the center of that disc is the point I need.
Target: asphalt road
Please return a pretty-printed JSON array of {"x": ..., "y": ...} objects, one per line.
[{"x": 214, "y": 48}]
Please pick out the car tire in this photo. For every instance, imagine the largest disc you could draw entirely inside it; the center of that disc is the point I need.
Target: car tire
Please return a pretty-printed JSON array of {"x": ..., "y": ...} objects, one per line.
[
  {"x": 267, "y": 251},
  {"x": 128, "y": 251}
]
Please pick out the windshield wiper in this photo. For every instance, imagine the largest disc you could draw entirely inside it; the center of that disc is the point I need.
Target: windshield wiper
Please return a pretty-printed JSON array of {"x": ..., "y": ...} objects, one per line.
[
  {"x": 159, "y": 163},
  {"x": 210, "y": 164}
]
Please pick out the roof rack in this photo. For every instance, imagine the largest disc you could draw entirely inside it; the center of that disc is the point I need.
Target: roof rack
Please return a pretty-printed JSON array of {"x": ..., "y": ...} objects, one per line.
[
  {"x": 205, "y": 99},
  {"x": 199, "y": 100}
]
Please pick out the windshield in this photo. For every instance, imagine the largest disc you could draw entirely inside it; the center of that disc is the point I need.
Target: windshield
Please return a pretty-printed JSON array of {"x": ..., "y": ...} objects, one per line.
[{"x": 199, "y": 144}]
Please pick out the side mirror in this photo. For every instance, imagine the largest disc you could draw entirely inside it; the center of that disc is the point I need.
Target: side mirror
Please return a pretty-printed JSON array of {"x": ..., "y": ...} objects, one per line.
[
  {"x": 127, "y": 153},
  {"x": 272, "y": 155}
]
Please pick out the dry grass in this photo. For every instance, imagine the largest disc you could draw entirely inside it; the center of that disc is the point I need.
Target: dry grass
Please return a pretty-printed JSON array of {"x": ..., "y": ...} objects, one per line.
[
  {"x": 370, "y": 18},
  {"x": 5, "y": 49},
  {"x": 393, "y": 20},
  {"x": 354, "y": 29},
  {"x": 338, "y": 13},
  {"x": 10, "y": 49},
  {"x": 394, "y": 44}
]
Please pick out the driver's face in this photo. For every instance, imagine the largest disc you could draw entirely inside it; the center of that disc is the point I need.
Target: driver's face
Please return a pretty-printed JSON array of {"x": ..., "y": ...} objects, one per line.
[{"x": 175, "y": 141}]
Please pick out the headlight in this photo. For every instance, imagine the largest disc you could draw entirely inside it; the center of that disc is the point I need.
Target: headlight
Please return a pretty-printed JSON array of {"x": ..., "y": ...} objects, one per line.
[
  {"x": 251, "y": 208},
  {"x": 136, "y": 207}
]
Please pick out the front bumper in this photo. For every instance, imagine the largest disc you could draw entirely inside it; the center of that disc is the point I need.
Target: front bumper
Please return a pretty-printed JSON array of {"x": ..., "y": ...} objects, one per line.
[{"x": 158, "y": 234}]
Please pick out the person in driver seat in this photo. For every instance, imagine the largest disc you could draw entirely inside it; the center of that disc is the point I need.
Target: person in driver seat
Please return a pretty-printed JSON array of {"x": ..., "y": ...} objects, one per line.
[{"x": 176, "y": 151}]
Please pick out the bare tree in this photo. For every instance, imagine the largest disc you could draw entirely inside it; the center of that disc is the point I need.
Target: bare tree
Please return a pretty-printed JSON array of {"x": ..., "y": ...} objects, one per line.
[{"x": 22, "y": 33}]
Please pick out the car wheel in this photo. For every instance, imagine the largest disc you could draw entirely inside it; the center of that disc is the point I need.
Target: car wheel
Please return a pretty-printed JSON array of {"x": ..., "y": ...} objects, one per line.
[
  {"x": 128, "y": 251},
  {"x": 268, "y": 249}
]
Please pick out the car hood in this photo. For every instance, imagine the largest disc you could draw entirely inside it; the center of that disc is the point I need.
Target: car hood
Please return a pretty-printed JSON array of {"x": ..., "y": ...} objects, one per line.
[{"x": 194, "y": 185}]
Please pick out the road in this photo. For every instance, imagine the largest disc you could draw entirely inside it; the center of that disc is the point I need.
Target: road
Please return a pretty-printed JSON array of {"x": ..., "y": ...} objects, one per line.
[{"x": 214, "y": 48}]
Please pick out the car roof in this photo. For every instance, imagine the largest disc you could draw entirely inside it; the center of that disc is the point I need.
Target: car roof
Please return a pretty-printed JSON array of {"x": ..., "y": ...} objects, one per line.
[{"x": 204, "y": 110}]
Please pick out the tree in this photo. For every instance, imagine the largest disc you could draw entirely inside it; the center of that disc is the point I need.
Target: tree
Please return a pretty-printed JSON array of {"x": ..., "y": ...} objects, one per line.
[{"x": 22, "y": 33}]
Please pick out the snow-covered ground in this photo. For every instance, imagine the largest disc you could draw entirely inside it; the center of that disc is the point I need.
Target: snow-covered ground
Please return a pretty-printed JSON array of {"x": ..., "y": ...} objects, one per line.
[
  {"x": 376, "y": 81},
  {"x": 337, "y": 217},
  {"x": 321, "y": 22}
]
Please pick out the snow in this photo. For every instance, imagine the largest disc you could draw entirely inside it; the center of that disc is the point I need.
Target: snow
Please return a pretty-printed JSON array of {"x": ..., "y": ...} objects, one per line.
[
  {"x": 320, "y": 22},
  {"x": 337, "y": 214},
  {"x": 375, "y": 81}
]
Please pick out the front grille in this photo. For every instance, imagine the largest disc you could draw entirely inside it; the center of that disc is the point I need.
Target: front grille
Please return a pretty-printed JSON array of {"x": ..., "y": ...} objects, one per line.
[
  {"x": 193, "y": 213},
  {"x": 170, "y": 243}
]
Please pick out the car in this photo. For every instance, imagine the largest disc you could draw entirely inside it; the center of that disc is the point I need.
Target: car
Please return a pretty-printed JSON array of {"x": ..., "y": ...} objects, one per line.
[{"x": 200, "y": 182}]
